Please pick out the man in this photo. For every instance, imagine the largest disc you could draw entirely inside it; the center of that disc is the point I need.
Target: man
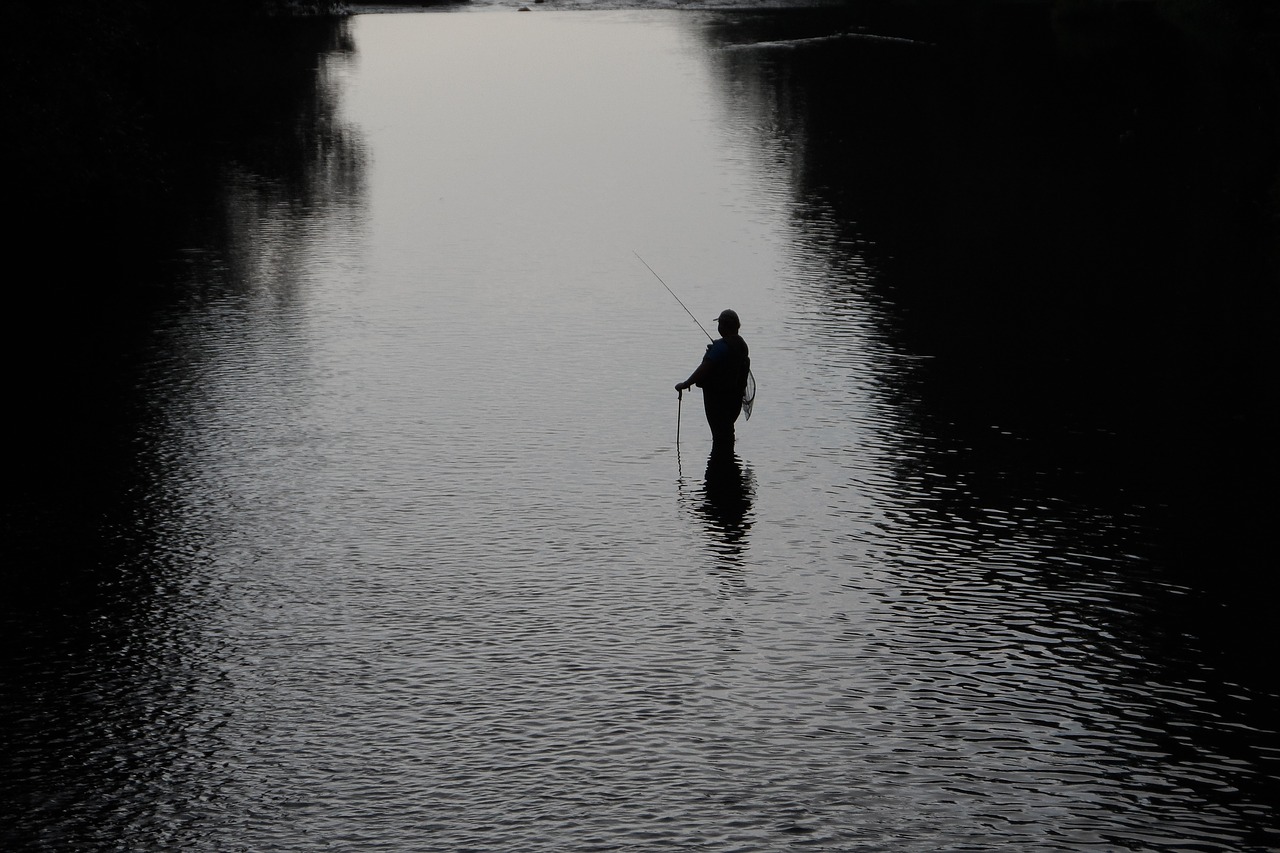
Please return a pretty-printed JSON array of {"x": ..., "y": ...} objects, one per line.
[{"x": 723, "y": 378}]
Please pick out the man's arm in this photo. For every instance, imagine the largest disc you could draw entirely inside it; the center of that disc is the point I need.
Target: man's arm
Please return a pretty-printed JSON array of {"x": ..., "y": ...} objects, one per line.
[{"x": 696, "y": 377}]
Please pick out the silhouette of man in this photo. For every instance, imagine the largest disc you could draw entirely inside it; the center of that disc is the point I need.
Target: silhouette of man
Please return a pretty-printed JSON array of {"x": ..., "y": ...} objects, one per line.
[{"x": 722, "y": 376}]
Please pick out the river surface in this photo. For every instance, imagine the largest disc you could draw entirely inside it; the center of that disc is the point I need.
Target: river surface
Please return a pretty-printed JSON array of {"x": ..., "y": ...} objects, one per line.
[{"x": 408, "y": 556}]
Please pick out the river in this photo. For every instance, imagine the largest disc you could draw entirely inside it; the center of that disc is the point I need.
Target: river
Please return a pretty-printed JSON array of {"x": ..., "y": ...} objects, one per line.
[{"x": 404, "y": 553}]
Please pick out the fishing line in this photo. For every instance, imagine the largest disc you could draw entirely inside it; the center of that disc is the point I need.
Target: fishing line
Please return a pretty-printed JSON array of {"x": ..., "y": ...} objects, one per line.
[{"x": 673, "y": 295}]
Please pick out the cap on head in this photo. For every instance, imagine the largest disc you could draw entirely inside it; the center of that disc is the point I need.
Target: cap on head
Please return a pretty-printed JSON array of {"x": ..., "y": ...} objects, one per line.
[{"x": 729, "y": 318}]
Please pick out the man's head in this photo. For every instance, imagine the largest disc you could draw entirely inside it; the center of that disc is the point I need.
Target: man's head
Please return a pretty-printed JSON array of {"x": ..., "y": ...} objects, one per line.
[{"x": 727, "y": 322}]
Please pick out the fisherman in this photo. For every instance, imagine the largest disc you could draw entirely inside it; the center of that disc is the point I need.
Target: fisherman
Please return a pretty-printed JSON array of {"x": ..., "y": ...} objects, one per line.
[{"x": 722, "y": 376}]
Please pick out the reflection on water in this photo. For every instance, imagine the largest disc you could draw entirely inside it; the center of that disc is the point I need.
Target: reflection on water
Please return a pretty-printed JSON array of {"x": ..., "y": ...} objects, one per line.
[
  {"x": 391, "y": 556},
  {"x": 723, "y": 503}
]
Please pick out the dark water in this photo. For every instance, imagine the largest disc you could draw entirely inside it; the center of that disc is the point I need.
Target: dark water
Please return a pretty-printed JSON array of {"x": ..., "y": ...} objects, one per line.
[{"x": 380, "y": 537}]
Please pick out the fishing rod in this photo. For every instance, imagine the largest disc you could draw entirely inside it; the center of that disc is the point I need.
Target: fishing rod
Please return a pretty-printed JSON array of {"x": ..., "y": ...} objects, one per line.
[{"x": 673, "y": 295}]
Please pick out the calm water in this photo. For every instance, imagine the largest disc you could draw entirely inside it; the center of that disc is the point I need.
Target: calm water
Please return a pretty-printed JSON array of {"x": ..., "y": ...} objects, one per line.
[{"x": 408, "y": 558}]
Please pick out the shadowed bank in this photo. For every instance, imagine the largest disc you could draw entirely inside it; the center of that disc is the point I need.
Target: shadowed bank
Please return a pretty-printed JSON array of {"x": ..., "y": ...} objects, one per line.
[
  {"x": 130, "y": 121},
  {"x": 1073, "y": 212}
]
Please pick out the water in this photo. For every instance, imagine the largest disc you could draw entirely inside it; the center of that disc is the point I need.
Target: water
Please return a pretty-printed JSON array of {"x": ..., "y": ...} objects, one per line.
[{"x": 407, "y": 557}]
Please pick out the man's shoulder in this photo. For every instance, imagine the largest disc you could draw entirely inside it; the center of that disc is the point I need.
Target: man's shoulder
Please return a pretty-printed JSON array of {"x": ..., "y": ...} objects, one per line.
[{"x": 730, "y": 347}]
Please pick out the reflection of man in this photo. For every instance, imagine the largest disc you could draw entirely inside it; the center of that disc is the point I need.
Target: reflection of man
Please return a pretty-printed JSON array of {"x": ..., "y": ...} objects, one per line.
[
  {"x": 726, "y": 504},
  {"x": 723, "y": 378}
]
